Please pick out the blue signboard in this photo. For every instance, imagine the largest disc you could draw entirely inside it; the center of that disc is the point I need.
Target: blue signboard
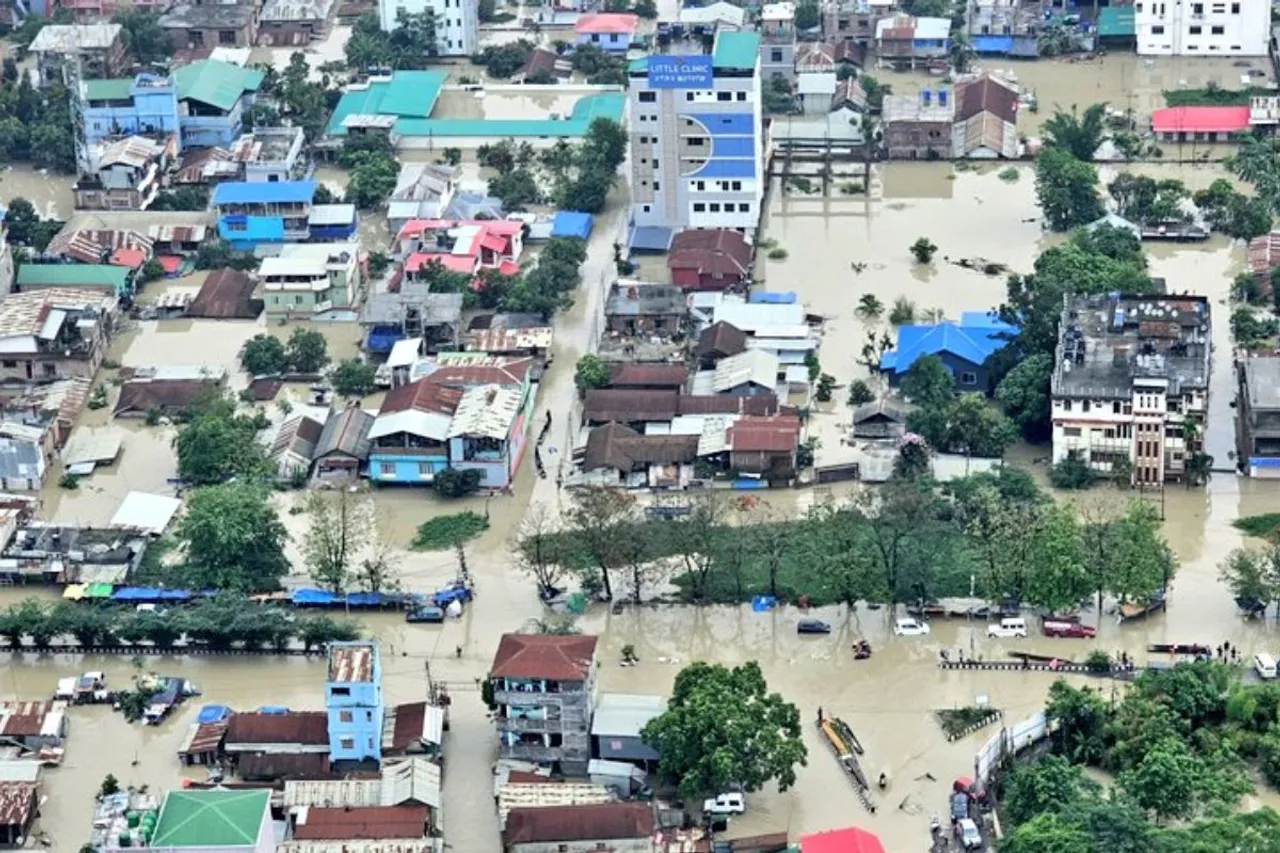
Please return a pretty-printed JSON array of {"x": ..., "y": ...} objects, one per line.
[{"x": 680, "y": 72}]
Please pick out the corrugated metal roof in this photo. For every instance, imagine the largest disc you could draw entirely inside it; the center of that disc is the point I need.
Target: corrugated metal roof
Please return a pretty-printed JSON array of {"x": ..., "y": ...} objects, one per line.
[
  {"x": 352, "y": 663},
  {"x": 264, "y": 192},
  {"x": 523, "y": 795},
  {"x": 218, "y": 84},
  {"x": 755, "y": 366},
  {"x": 486, "y": 411},
  {"x": 625, "y": 714}
]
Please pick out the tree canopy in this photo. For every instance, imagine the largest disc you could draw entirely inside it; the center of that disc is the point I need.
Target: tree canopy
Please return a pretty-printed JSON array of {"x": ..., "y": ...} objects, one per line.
[
  {"x": 1067, "y": 189},
  {"x": 233, "y": 539},
  {"x": 723, "y": 728}
]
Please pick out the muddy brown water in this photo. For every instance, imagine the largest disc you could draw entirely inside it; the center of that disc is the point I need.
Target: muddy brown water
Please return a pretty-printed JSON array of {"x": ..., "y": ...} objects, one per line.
[{"x": 888, "y": 699}]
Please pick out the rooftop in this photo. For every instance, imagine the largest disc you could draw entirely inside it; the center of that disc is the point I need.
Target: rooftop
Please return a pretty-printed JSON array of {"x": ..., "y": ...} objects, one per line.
[
  {"x": 206, "y": 16},
  {"x": 297, "y": 727},
  {"x": 721, "y": 338},
  {"x": 17, "y": 803},
  {"x": 638, "y": 299},
  {"x": 975, "y": 339},
  {"x": 370, "y": 822},
  {"x": 716, "y": 252},
  {"x": 404, "y": 94},
  {"x": 346, "y": 432},
  {"x": 352, "y": 663},
  {"x": 648, "y": 376},
  {"x": 70, "y": 38},
  {"x": 226, "y": 294},
  {"x": 486, "y": 411},
  {"x": 774, "y": 434},
  {"x": 622, "y": 448},
  {"x": 25, "y": 314},
  {"x": 1200, "y": 120},
  {"x": 735, "y": 51},
  {"x": 558, "y": 658},
  {"x": 913, "y": 108},
  {"x": 1107, "y": 342},
  {"x": 216, "y": 83},
  {"x": 204, "y": 819},
  {"x": 586, "y": 109},
  {"x": 987, "y": 94},
  {"x": 296, "y": 10},
  {"x": 625, "y": 714},
  {"x": 851, "y": 840},
  {"x": 264, "y": 192},
  {"x": 607, "y": 22},
  {"x": 552, "y": 824},
  {"x": 1262, "y": 378},
  {"x": 107, "y": 276},
  {"x": 755, "y": 366}
]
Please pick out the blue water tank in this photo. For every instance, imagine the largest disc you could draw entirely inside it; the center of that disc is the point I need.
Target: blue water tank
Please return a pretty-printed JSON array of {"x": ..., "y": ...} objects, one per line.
[
  {"x": 925, "y": 96},
  {"x": 942, "y": 97}
]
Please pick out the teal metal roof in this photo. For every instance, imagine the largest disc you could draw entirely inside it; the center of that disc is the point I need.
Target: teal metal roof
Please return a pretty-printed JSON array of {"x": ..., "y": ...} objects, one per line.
[
  {"x": 606, "y": 105},
  {"x": 1116, "y": 21},
  {"x": 108, "y": 90},
  {"x": 216, "y": 83},
  {"x": 736, "y": 51},
  {"x": 74, "y": 275},
  {"x": 408, "y": 94}
]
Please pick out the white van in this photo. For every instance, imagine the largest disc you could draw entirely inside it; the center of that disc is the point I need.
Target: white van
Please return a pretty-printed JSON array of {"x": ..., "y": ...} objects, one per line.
[
  {"x": 1016, "y": 627},
  {"x": 1265, "y": 665}
]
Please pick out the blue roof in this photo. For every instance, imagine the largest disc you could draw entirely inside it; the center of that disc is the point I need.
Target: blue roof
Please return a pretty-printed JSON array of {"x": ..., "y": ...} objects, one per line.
[
  {"x": 313, "y": 596},
  {"x": 263, "y": 192},
  {"x": 1264, "y": 461},
  {"x": 741, "y": 124},
  {"x": 571, "y": 223},
  {"x": 213, "y": 714},
  {"x": 974, "y": 339},
  {"x": 149, "y": 593},
  {"x": 725, "y": 169},
  {"x": 651, "y": 238},
  {"x": 765, "y": 297}
]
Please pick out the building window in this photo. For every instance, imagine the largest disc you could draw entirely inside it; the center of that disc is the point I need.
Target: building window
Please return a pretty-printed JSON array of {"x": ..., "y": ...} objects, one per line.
[
  {"x": 648, "y": 97},
  {"x": 699, "y": 207},
  {"x": 700, "y": 186},
  {"x": 9, "y": 363},
  {"x": 742, "y": 96},
  {"x": 644, "y": 140},
  {"x": 424, "y": 469},
  {"x": 297, "y": 300},
  {"x": 657, "y": 185},
  {"x": 1086, "y": 406},
  {"x": 1197, "y": 8},
  {"x": 1115, "y": 407},
  {"x": 387, "y": 469},
  {"x": 688, "y": 96},
  {"x": 968, "y": 379},
  {"x": 655, "y": 162},
  {"x": 775, "y": 56},
  {"x": 197, "y": 37},
  {"x": 345, "y": 717},
  {"x": 1071, "y": 432},
  {"x": 226, "y": 36},
  {"x": 1235, "y": 8},
  {"x": 736, "y": 186},
  {"x": 1066, "y": 405},
  {"x": 724, "y": 96},
  {"x": 347, "y": 743},
  {"x": 1157, "y": 30},
  {"x": 696, "y": 141},
  {"x": 644, "y": 208},
  {"x": 1195, "y": 31},
  {"x": 341, "y": 691},
  {"x": 714, "y": 207},
  {"x": 1217, "y": 31}
]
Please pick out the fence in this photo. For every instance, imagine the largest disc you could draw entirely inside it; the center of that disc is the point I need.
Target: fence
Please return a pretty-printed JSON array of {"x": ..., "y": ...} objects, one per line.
[{"x": 1006, "y": 743}]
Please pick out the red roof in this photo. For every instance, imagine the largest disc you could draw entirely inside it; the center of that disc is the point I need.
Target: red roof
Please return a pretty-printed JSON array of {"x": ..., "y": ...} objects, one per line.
[
  {"x": 493, "y": 371},
  {"x": 366, "y": 822},
  {"x": 775, "y": 434},
  {"x": 453, "y": 263},
  {"x": 126, "y": 257},
  {"x": 494, "y": 242},
  {"x": 607, "y": 22},
  {"x": 169, "y": 262},
  {"x": 1200, "y": 119},
  {"x": 421, "y": 396},
  {"x": 550, "y": 656},
  {"x": 851, "y": 840}
]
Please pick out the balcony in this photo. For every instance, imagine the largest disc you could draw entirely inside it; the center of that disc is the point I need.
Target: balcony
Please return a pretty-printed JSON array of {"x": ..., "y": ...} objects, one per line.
[
  {"x": 551, "y": 725},
  {"x": 528, "y": 699},
  {"x": 530, "y": 752}
]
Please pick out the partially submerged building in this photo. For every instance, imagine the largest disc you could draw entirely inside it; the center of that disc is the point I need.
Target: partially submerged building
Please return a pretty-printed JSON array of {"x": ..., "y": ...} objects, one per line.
[
  {"x": 918, "y": 126},
  {"x": 52, "y": 334},
  {"x": 126, "y": 174},
  {"x": 964, "y": 349},
  {"x": 253, "y": 214},
  {"x": 1129, "y": 371},
  {"x": 625, "y": 827},
  {"x": 543, "y": 689},
  {"x": 306, "y": 279},
  {"x": 986, "y": 121},
  {"x": 423, "y": 191},
  {"x": 1258, "y": 415},
  {"x": 99, "y": 50}
]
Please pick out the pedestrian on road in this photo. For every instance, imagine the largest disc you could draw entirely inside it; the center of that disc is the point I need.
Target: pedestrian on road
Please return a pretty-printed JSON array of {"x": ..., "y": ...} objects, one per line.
[{"x": 458, "y": 652}]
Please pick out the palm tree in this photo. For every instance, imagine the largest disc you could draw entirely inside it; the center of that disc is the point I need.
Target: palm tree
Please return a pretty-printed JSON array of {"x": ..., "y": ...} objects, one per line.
[
  {"x": 869, "y": 307},
  {"x": 1079, "y": 135}
]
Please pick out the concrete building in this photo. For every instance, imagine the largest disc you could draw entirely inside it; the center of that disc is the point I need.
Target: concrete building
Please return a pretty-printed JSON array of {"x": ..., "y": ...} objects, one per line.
[
  {"x": 457, "y": 22},
  {"x": 306, "y": 279},
  {"x": 270, "y": 154},
  {"x": 197, "y": 26},
  {"x": 146, "y": 105},
  {"x": 353, "y": 699},
  {"x": 1228, "y": 28},
  {"x": 612, "y": 32},
  {"x": 905, "y": 41},
  {"x": 257, "y": 214},
  {"x": 1258, "y": 415},
  {"x": 919, "y": 127},
  {"x": 52, "y": 334},
  {"x": 544, "y": 689},
  {"x": 854, "y": 20},
  {"x": 99, "y": 48},
  {"x": 423, "y": 191},
  {"x": 1131, "y": 373},
  {"x": 778, "y": 41},
  {"x": 126, "y": 174},
  {"x": 697, "y": 156},
  {"x": 645, "y": 309},
  {"x": 616, "y": 726},
  {"x": 196, "y": 821},
  {"x": 294, "y": 23}
]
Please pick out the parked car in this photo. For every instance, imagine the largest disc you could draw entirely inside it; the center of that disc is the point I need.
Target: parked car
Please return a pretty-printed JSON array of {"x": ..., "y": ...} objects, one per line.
[
  {"x": 425, "y": 615},
  {"x": 967, "y": 832},
  {"x": 1008, "y": 628},
  {"x": 812, "y": 626},
  {"x": 1068, "y": 629},
  {"x": 733, "y": 803},
  {"x": 456, "y": 591},
  {"x": 910, "y": 628}
]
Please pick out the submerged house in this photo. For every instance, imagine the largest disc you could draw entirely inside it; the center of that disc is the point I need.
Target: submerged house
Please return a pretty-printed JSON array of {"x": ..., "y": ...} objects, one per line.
[
  {"x": 306, "y": 279},
  {"x": 543, "y": 690},
  {"x": 252, "y": 214},
  {"x": 126, "y": 174},
  {"x": 963, "y": 347}
]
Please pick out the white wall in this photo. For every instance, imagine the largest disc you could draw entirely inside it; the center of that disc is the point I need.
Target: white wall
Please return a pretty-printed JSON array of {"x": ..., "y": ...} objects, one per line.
[
  {"x": 1208, "y": 28},
  {"x": 457, "y": 22}
]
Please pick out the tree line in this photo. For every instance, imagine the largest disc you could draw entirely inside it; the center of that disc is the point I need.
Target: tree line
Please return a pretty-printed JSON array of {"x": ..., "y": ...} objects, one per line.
[
  {"x": 911, "y": 540},
  {"x": 1183, "y": 746},
  {"x": 223, "y": 621}
]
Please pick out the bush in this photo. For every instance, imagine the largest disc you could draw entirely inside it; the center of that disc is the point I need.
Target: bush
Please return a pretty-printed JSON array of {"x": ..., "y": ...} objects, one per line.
[
  {"x": 860, "y": 393},
  {"x": 454, "y": 483},
  {"x": 353, "y": 377},
  {"x": 923, "y": 250},
  {"x": 447, "y": 531},
  {"x": 1010, "y": 174},
  {"x": 778, "y": 254},
  {"x": 69, "y": 481},
  {"x": 1071, "y": 473},
  {"x": 903, "y": 313},
  {"x": 1098, "y": 661},
  {"x": 1261, "y": 526}
]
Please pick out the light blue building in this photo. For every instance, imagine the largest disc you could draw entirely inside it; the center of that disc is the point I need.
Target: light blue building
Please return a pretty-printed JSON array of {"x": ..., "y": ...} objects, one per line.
[
  {"x": 353, "y": 700},
  {"x": 147, "y": 105},
  {"x": 612, "y": 32},
  {"x": 252, "y": 214}
]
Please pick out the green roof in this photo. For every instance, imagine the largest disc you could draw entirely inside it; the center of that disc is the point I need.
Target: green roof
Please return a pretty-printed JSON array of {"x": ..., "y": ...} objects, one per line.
[
  {"x": 216, "y": 83},
  {"x": 1116, "y": 21},
  {"x": 588, "y": 108},
  {"x": 736, "y": 51},
  {"x": 108, "y": 90},
  {"x": 210, "y": 818},
  {"x": 408, "y": 94},
  {"x": 74, "y": 275}
]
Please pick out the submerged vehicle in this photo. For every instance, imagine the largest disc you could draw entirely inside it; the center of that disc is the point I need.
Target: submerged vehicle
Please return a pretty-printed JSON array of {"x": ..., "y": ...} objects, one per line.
[{"x": 812, "y": 626}]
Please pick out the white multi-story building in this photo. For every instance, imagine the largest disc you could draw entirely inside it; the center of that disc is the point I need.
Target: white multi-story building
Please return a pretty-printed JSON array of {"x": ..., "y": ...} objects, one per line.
[
  {"x": 1130, "y": 372},
  {"x": 697, "y": 154},
  {"x": 1203, "y": 27},
  {"x": 457, "y": 22}
]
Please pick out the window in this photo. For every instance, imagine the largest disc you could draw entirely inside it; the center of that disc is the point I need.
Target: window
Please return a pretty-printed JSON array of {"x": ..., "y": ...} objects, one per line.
[
  {"x": 699, "y": 207},
  {"x": 968, "y": 379},
  {"x": 1219, "y": 8},
  {"x": 368, "y": 716},
  {"x": 297, "y": 300},
  {"x": 644, "y": 208},
  {"x": 1071, "y": 432},
  {"x": 775, "y": 56},
  {"x": 644, "y": 161},
  {"x": 1157, "y": 30},
  {"x": 197, "y": 37},
  {"x": 648, "y": 97},
  {"x": 1217, "y": 31},
  {"x": 341, "y": 691},
  {"x": 1195, "y": 31},
  {"x": 347, "y": 743},
  {"x": 736, "y": 186},
  {"x": 724, "y": 96},
  {"x": 1086, "y": 406},
  {"x": 688, "y": 96},
  {"x": 9, "y": 363},
  {"x": 657, "y": 185},
  {"x": 424, "y": 469},
  {"x": 387, "y": 469},
  {"x": 700, "y": 186},
  {"x": 1197, "y": 8},
  {"x": 1138, "y": 7},
  {"x": 1066, "y": 405},
  {"x": 655, "y": 162},
  {"x": 1235, "y": 8},
  {"x": 50, "y": 369},
  {"x": 345, "y": 717},
  {"x": 742, "y": 96},
  {"x": 226, "y": 36},
  {"x": 696, "y": 141},
  {"x": 714, "y": 207},
  {"x": 744, "y": 208},
  {"x": 644, "y": 140},
  {"x": 237, "y": 225}
]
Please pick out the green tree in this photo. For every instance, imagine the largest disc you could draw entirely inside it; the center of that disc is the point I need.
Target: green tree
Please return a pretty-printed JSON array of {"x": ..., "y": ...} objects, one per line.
[
  {"x": 143, "y": 36},
  {"x": 340, "y": 527},
  {"x": 723, "y": 728},
  {"x": 1077, "y": 135},
  {"x": 308, "y": 350},
  {"x": 353, "y": 377},
  {"x": 1142, "y": 562},
  {"x": 20, "y": 221},
  {"x": 869, "y": 306},
  {"x": 808, "y": 15},
  {"x": 1252, "y": 575},
  {"x": 860, "y": 393},
  {"x": 1058, "y": 577},
  {"x": 1077, "y": 719},
  {"x": 1071, "y": 472},
  {"x": 1066, "y": 189},
  {"x": 233, "y": 539},
  {"x": 518, "y": 188},
  {"x": 1046, "y": 833},
  {"x": 264, "y": 355},
  {"x": 590, "y": 372},
  {"x": 1050, "y": 785},
  {"x": 961, "y": 51},
  {"x": 216, "y": 446},
  {"x": 975, "y": 428},
  {"x": 1164, "y": 781},
  {"x": 372, "y": 179},
  {"x": 1024, "y": 394},
  {"x": 928, "y": 383},
  {"x": 923, "y": 250}
]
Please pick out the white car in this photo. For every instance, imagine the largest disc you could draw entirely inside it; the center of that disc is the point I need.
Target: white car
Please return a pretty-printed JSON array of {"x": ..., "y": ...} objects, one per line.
[
  {"x": 910, "y": 628},
  {"x": 1008, "y": 628},
  {"x": 725, "y": 804},
  {"x": 967, "y": 831}
]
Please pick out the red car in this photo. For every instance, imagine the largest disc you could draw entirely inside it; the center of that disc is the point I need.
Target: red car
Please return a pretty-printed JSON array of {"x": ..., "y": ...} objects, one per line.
[{"x": 1069, "y": 629}]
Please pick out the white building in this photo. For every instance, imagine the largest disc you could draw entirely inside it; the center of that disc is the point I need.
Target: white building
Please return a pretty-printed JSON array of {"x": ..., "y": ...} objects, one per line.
[
  {"x": 697, "y": 157},
  {"x": 1130, "y": 372},
  {"x": 1208, "y": 28},
  {"x": 457, "y": 22}
]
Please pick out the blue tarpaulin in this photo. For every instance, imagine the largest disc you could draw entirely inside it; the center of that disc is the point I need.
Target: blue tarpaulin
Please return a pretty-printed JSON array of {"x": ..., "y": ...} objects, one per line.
[
  {"x": 382, "y": 338},
  {"x": 762, "y": 603},
  {"x": 303, "y": 597},
  {"x": 571, "y": 223},
  {"x": 213, "y": 714},
  {"x": 149, "y": 593},
  {"x": 764, "y": 297}
]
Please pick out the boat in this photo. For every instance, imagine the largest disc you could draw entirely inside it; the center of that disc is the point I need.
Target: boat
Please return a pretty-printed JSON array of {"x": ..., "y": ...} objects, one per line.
[
  {"x": 1130, "y": 611},
  {"x": 1179, "y": 649}
]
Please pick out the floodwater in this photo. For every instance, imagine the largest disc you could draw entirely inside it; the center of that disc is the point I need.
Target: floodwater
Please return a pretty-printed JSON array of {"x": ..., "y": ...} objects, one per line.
[{"x": 50, "y": 192}]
